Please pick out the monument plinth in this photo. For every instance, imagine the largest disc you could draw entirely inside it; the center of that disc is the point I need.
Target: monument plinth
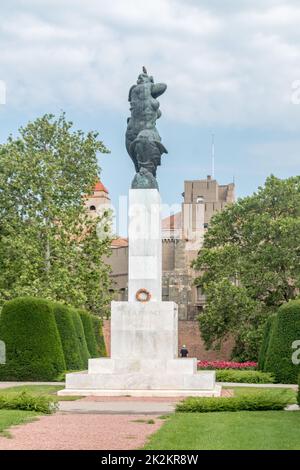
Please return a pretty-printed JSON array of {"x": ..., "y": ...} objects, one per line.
[{"x": 144, "y": 331}]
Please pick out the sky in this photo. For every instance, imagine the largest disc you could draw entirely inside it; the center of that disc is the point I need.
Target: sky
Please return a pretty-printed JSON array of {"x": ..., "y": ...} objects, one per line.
[{"x": 232, "y": 70}]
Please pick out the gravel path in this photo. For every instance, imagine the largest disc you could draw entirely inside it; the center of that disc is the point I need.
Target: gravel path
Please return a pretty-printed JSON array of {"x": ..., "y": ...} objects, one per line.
[
  {"x": 133, "y": 399},
  {"x": 82, "y": 432},
  {"x": 117, "y": 407}
]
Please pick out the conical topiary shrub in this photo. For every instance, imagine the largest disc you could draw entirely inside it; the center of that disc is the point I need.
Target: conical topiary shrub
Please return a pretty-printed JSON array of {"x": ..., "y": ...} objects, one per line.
[
  {"x": 285, "y": 331},
  {"x": 89, "y": 332},
  {"x": 84, "y": 352},
  {"x": 33, "y": 346},
  {"x": 69, "y": 339},
  {"x": 101, "y": 349}
]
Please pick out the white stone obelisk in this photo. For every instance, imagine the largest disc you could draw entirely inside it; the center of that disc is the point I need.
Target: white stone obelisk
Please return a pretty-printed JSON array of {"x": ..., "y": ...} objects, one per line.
[{"x": 145, "y": 245}]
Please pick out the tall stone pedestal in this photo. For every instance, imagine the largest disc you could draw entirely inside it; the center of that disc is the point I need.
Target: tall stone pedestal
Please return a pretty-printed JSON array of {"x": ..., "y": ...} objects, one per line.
[{"x": 144, "y": 335}]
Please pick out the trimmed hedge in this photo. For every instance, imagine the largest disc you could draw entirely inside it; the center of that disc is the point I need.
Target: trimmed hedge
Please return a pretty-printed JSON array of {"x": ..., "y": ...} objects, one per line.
[
  {"x": 70, "y": 343},
  {"x": 101, "y": 349},
  {"x": 84, "y": 352},
  {"x": 285, "y": 330},
  {"x": 88, "y": 332},
  {"x": 261, "y": 401},
  {"x": 265, "y": 341},
  {"x": 244, "y": 376},
  {"x": 33, "y": 346}
]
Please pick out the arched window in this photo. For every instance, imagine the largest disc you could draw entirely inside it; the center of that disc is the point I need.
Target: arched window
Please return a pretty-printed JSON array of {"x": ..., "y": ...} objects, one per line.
[{"x": 92, "y": 208}]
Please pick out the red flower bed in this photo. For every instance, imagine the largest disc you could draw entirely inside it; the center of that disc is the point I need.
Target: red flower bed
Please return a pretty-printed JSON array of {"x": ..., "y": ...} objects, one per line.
[{"x": 226, "y": 365}]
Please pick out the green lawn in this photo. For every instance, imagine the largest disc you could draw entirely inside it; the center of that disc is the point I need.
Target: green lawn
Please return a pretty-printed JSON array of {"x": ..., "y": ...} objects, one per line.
[
  {"x": 10, "y": 418},
  {"x": 262, "y": 430},
  {"x": 231, "y": 430},
  {"x": 39, "y": 390}
]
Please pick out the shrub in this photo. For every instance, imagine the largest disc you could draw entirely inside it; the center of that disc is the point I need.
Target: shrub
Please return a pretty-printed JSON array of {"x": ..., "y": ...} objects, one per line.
[
  {"x": 244, "y": 376},
  {"x": 298, "y": 394},
  {"x": 226, "y": 365},
  {"x": 265, "y": 342},
  {"x": 33, "y": 346},
  {"x": 89, "y": 333},
  {"x": 285, "y": 330},
  {"x": 26, "y": 401},
  {"x": 69, "y": 339},
  {"x": 101, "y": 349},
  {"x": 261, "y": 401},
  {"x": 84, "y": 352}
]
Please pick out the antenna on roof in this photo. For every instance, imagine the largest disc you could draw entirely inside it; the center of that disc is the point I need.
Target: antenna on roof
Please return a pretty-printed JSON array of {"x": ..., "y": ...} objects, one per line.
[{"x": 213, "y": 156}]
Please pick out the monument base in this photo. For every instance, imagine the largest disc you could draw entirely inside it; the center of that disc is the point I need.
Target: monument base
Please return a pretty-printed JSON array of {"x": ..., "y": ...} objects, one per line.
[
  {"x": 142, "y": 393},
  {"x": 144, "y": 362}
]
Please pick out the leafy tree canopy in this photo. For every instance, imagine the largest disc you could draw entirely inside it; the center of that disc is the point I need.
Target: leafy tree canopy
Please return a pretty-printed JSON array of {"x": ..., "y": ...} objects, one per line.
[
  {"x": 48, "y": 243},
  {"x": 250, "y": 264}
]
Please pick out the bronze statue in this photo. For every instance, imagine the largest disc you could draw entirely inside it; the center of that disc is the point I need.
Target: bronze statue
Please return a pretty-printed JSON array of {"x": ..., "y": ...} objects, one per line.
[{"x": 143, "y": 142}]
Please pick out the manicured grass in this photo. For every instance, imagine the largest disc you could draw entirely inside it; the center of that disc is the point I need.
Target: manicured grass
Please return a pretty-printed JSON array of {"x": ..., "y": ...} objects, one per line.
[
  {"x": 262, "y": 430},
  {"x": 239, "y": 391},
  {"x": 39, "y": 390},
  {"x": 10, "y": 418}
]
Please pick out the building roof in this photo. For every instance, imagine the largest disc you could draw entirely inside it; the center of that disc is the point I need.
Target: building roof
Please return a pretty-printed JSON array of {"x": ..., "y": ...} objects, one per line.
[
  {"x": 172, "y": 222},
  {"x": 100, "y": 187},
  {"x": 119, "y": 242}
]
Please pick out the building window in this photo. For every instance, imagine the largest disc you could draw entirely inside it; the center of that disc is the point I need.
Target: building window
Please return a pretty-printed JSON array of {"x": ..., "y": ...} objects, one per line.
[
  {"x": 200, "y": 295},
  {"x": 199, "y": 310},
  {"x": 92, "y": 208}
]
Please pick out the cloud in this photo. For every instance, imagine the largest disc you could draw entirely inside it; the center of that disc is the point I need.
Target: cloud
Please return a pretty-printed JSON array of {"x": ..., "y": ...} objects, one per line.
[{"x": 224, "y": 64}]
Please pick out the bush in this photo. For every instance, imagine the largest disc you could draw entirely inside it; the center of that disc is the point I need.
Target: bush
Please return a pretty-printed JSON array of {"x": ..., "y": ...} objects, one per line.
[
  {"x": 265, "y": 342},
  {"x": 298, "y": 394},
  {"x": 285, "y": 330},
  {"x": 33, "y": 346},
  {"x": 84, "y": 352},
  {"x": 26, "y": 401},
  {"x": 244, "y": 376},
  {"x": 89, "y": 332},
  {"x": 101, "y": 349},
  {"x": 261, "y": 401},
  {"x": 69, "y": 339}
]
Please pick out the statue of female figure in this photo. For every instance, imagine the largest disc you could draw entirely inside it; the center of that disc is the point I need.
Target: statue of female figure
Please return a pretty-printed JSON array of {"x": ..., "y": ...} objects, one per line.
[{"x": 143, "y": 142}]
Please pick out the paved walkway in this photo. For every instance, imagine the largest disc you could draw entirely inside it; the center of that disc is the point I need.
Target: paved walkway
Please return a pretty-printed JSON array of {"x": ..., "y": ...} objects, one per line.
[
  {"x": 82, "y": 432},
  {"x": 125, "y": 405},
  {"x": 117, "y": 407}
]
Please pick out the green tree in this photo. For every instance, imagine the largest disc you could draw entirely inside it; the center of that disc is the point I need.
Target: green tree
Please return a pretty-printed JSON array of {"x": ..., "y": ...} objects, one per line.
[
  {"x": 251, "y": 253},
  {"x": 49, "y": 246}
]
